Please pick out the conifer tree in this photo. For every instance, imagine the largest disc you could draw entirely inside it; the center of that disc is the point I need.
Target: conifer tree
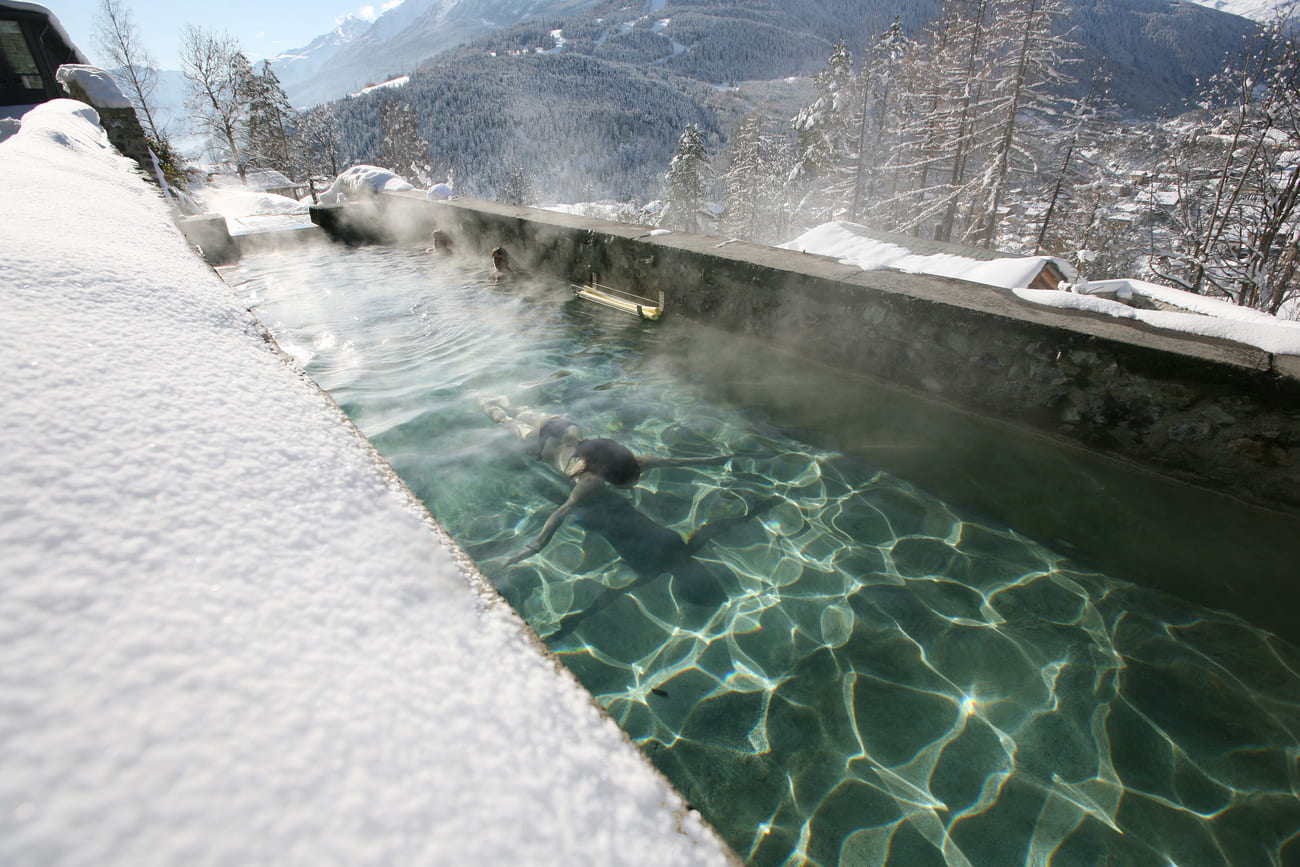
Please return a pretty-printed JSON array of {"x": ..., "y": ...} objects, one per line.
[
  {"x": 517, "y": 189},
  {"x": 686, "y": 174},
  {"x": 271, "y": 119},
  {"x": 826, "y": 137},
  {"x": 402, "y": 149},
  {"x": 755, "y": 183},
  {"x": 743, "y": 179},
  {"x": 320, "y": 143},
  {"x": 880, "y": 120}
]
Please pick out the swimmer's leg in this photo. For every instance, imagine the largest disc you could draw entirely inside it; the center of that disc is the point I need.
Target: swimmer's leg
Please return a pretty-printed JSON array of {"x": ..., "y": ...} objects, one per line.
[
  {"x": 532, "y": 417},
  {"x": 495, "y": 408},
  {"x": 520, "y": 424}
]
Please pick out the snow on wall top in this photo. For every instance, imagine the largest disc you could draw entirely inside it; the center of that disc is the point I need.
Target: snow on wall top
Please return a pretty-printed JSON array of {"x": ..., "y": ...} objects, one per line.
[
  {"x": 226, "y": 638},
  {"x": 839, "y": 241},
  {"x": 363, "y": 181},
  {"x": 1204, "y": 317},
  {"x": 98, "y": 85}
]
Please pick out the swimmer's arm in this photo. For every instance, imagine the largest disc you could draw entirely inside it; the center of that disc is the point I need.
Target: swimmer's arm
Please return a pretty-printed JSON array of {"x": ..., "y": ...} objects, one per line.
[
  {"x": 650, "y": 462},
  {"x": 587, "y": 487}
]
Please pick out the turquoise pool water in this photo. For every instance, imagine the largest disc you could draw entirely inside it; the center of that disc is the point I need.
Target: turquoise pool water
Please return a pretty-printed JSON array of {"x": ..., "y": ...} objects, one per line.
[{"x": 832, "y": 664}]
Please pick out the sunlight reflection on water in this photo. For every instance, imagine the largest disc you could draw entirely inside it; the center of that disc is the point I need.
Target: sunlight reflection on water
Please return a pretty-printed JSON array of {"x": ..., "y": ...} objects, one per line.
[{"x": 887, "y": 679}]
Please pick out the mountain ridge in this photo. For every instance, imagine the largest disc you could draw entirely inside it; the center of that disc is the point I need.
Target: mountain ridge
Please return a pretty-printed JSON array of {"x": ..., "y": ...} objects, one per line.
[{"x": 1158, "y": 50}]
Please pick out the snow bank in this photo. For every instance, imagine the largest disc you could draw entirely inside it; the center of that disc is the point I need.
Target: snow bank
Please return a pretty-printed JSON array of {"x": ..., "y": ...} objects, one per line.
[
  {"x": 227, "y": 638},
  {"x": 839, "y": 241},
  {"x": 232, "y": 203},
  {"x": 363, "y": 181},
  {"x": 98, "y": 86},
  {"x": 1205, "y": 317}
]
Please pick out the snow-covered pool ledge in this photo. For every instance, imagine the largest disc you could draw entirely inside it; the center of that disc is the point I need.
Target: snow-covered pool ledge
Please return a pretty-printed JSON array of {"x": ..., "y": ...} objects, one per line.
[
  {"x": 1197, "y": 408},
  {"x": 227, "y": 633}
]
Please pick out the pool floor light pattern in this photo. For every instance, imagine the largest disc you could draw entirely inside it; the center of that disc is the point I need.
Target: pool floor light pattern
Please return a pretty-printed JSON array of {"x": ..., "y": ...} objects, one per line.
[{"x": 832, "y": 664}]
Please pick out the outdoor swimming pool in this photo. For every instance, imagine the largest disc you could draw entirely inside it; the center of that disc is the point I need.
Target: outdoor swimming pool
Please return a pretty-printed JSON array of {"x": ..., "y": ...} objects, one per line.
[{"x": 831, "y": 663}]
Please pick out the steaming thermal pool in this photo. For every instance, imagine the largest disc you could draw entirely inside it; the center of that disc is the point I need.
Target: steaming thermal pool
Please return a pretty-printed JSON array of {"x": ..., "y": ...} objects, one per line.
[{"x": 840, "y": 668}]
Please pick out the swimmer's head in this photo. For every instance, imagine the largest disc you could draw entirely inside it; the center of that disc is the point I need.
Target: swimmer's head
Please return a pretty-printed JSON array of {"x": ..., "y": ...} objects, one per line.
[
  {"x": 605, "y": 458},
  {"x": 499, "y": 257}
]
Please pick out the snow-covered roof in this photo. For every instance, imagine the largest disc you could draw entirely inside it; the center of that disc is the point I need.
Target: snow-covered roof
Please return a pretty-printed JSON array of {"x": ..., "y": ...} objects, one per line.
[
  {"x": 52, "y": 21},
  {"x": 878, "y": 251},
  {"x": 228, "y": 635}
]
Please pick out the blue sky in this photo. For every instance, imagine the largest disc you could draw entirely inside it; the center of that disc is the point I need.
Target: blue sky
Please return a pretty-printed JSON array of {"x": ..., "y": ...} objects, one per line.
[{"x": 263, "y": 27}]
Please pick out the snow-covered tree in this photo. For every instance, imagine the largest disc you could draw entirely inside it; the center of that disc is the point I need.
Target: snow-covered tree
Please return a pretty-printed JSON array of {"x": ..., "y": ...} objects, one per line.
[
  {"x": 755, "y": 182},
  {"x": 1074, "y": 195},
  {"x": 216, "y": 72},
  {"x": 518, "y": 189},
  {"x": 826, "y": 139},
  {"x": 972, "y": 100},
  {"x": 320, "y": 143},
  {"x": 1238, "y": 183},
  {"x": 962, "y": 75},
  {"x": 879, "y": 121},
  {"x": 402, "y": 149},
  {"x": 135, "y": 69},
  {"x": 269, "y": 130},
  {"x": 944, "y": 83},
  {"x": 686, "y": 175},
  {"x": 1030, "y": 77}
]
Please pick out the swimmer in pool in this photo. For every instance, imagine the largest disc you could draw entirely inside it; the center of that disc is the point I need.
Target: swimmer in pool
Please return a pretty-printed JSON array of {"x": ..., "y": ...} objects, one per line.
[
  {"x": 501, "y": 269},
  {"x": 441, "y": 244},
  {"x": 590, "y": 463}
]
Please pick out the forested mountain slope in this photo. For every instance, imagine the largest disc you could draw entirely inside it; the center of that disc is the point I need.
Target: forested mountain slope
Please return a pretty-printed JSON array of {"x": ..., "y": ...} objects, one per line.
[
  {"x": 1154, "y": 51},
  {"x": 588, "y": 98},
  {"x": 574, "y": 125},
  {"x": 406, "y": 36}
]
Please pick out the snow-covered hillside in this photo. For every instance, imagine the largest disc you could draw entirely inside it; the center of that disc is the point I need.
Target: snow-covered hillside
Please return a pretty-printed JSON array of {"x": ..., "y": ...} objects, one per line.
[{"x": 1256, "y": 10}]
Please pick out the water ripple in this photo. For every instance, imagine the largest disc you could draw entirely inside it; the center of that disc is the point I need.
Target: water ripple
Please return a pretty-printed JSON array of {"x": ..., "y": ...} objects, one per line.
[{"x": 888, "y": 680}]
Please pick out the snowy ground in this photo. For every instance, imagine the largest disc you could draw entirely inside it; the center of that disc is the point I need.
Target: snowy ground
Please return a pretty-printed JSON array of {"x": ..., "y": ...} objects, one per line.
[{"x": 226, "y": 637}]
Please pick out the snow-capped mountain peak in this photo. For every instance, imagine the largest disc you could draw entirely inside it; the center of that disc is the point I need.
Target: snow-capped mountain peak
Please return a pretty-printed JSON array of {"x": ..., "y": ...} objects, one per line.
[{"x": 321, "y": 48}]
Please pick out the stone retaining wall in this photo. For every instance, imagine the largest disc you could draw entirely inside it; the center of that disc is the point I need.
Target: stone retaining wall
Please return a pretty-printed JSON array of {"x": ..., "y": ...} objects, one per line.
[{"x": 1210, "y": 412}]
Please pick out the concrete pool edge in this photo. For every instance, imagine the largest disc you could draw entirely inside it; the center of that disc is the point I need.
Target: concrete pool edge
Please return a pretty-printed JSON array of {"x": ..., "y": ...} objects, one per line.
[{"x": 1207, "y": 411}]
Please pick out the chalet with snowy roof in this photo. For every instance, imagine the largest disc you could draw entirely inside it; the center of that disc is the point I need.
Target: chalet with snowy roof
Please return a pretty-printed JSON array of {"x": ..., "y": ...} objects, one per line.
[
  {"x": 33, "y": 45},
  {"x": 872, "y": 250}
]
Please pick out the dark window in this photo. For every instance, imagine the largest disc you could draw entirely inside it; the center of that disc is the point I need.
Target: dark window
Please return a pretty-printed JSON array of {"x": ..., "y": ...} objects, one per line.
[{"x": 20, "y": 75}]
